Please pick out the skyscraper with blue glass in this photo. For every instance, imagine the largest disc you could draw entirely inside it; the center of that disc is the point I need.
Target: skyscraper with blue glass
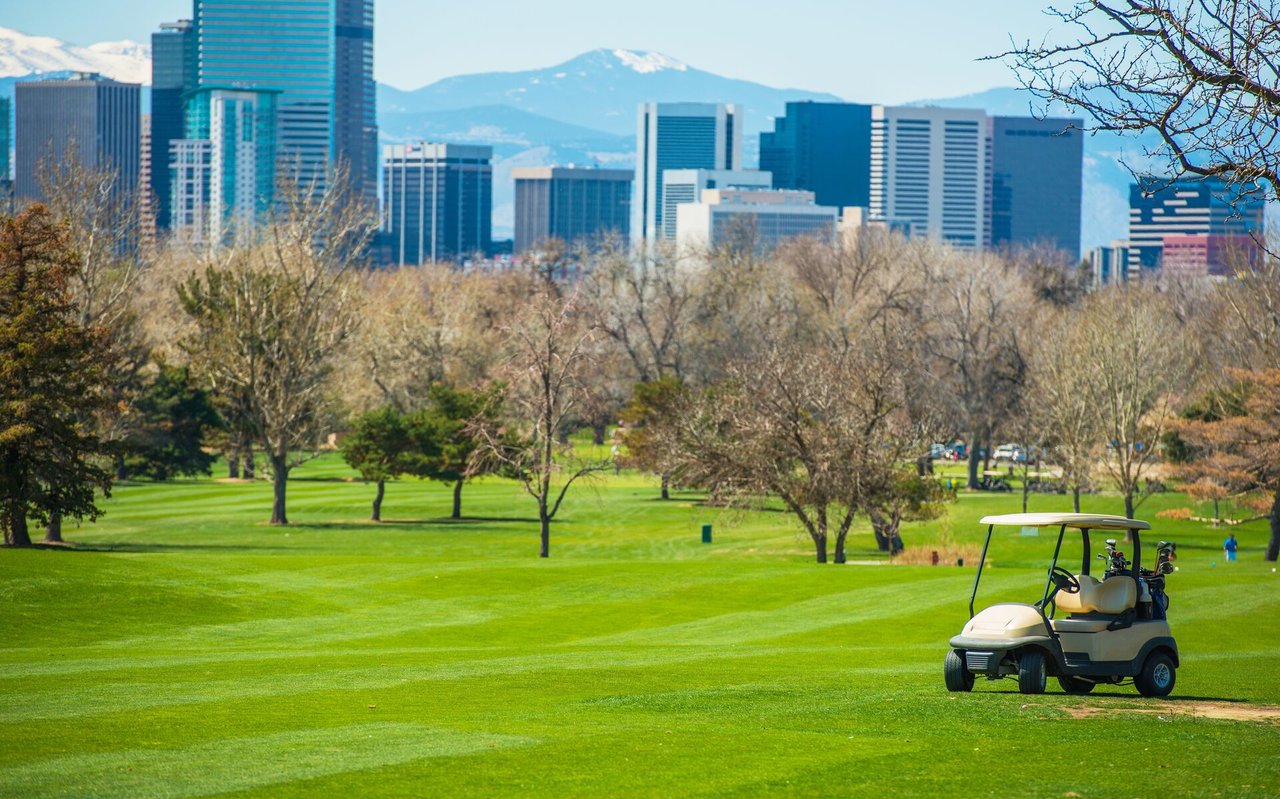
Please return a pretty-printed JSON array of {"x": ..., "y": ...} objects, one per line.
[
  {"x": 824, "y": 148},
  {"x": 173, "y": 74},
  {"x": 318, "y": 55},
  {"x": 224, "y": 169},
  {"x": 679, "y": 136},
  {"x": 1036, "y": 182}
]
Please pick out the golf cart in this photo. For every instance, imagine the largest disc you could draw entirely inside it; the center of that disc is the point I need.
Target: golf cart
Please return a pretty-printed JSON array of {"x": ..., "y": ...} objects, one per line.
[{"x": 1114, "y": 628}]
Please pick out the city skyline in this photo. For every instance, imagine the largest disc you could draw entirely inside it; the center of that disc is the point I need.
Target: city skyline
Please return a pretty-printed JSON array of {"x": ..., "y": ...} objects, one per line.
[{"x": 855, "y": 53}]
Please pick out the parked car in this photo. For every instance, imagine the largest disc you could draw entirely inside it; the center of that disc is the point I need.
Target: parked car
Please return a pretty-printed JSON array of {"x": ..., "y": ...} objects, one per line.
[{"x": 1014, "y": 453}]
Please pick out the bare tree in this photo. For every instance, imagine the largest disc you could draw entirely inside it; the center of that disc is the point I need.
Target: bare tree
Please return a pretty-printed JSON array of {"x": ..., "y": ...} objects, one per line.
[
  {"x": 548, "y": 374},
  {"x": 1058, "y": 389},
  {"x": 271, "y": 317},
  {"x": 1200, "y": 75},
  {"x": 977, "y": 305},
  {"x": 1131, "y": 348},
  {"x": 643, "y": 302}
]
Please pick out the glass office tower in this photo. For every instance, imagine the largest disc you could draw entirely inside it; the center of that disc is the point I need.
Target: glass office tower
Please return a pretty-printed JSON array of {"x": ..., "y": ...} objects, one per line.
[
  {"x": 1036, "y": 182},
  {"x": 173, "y": 74},
  {"x": 679, "y": 136},
  {"x": 824, "y": 148},
  {"x": 318, "y": 54}
]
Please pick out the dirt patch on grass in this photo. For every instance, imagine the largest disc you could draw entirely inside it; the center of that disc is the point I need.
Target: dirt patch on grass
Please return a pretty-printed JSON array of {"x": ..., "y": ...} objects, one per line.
[{"x": 1229, "y": 711}]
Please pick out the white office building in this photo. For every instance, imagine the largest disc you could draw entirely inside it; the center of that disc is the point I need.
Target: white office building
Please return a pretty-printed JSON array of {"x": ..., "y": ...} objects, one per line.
[
  {"x": 679, "y": 136},
  {"x": 680, "y": 186},
  {"x": 767, "y": 216},
  {"x": 930, "y": 172}
]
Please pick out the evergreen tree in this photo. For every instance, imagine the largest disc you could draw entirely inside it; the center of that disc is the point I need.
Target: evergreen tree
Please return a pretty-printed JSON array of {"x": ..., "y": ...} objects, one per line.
[
  {"x": 173, "y": 417},
  {"x": 51, "y": 380}
]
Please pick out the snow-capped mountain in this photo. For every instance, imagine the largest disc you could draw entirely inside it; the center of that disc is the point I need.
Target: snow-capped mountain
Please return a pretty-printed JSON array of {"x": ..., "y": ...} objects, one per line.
[
  {"x": 21, "y": 54},
  {"x": 599, "y": 89}
]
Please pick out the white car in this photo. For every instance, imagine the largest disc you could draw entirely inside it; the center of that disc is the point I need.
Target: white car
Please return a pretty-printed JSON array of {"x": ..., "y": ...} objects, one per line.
[{"x": 1010, "y": 452}]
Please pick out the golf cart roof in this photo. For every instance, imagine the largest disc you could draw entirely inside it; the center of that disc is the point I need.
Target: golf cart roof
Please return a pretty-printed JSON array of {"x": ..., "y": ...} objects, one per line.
[{"x": 1090, "y": 521}]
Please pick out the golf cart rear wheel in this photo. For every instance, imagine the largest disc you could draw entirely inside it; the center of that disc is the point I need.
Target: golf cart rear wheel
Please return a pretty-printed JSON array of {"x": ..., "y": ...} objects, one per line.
[
  {"x": 1031, "y": 672},
  {"x": 1075, "y": 685},
  {"x": 958, "y": 676},
  {"x": 1157, "y": 676}
]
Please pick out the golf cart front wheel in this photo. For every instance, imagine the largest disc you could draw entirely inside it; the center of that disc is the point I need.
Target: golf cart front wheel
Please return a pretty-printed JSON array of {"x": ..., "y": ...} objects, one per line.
[
  {"x": 1031, "y": 672},
  {"x": 1075, "y": 685},
  {"x": 1157, "y": 676},
  {"x": 958, "y": 676}
]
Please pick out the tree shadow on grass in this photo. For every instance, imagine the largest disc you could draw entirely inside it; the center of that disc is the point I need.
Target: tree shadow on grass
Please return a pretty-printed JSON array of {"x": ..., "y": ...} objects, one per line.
[
  {"x": 131, "y": 546},
  {"x": 440, "y": 521}
]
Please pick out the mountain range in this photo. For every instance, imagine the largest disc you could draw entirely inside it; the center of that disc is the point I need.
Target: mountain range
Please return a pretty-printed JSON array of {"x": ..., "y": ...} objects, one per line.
[{"x": 581, "y": 111}]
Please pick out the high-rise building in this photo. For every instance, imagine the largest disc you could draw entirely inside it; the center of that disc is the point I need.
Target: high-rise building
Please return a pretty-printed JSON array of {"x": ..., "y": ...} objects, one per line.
[
  {"x": 318, "y": 54},
  {"x": 101, "y": 116},
  {"x": 824, "y": 148},
  {"x": 1108, "y": 264},
  {"x": 680, "y": 186},
  {"x": 438, "y": 201},
  {"x": 6, "y": 124},
  {"x": 572, "y": 205},
  {"x": 1159, "y": 208},
  {"x": 6, "y": 181},
  {"x": 679, "y": 136},
  {"x": 1036, "y": 170},
  {"x": 224, "y": 167},
  {"x": 765, "y": 217},
  {"x": 173, "y": 74},
  {"x": 355, "y": 124},
  {"x": 930, "y": 169}
]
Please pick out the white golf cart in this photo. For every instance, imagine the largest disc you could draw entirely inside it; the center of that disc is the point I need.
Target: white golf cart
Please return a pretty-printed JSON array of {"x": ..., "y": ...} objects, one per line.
[{"x": 1114, "y": 629}]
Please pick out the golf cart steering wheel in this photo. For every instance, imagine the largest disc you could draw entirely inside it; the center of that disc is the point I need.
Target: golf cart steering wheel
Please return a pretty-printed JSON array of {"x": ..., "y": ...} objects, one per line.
[{"x": 1064, "y": 581}]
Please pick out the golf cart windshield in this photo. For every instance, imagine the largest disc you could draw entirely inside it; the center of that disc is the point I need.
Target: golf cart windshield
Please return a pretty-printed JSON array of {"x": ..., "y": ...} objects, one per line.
[{"x": 1083, "y": 522}]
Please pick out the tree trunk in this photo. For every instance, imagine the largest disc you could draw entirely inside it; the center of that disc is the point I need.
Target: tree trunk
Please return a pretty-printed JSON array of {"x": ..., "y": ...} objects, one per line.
[
  {"x": 53, "y": 533},
  {"x": 279, "y": 476},
  {"x": 1075, "y": 498},
  {"x": 246, "y": 457},
  {"x": 1025, "y": 492},
  {"x": 545, "y": 551},
  {"x": 1128, "y": 504},
  {"x": 457, "y": 499},
  {"x": 840, "y": 556},
  {"x": 820, "y": 544},
  {"x": 233, "y": 463},
  {"x": 597, "y": 434},
  {"x": 377, "y": 501},
  {"x": 883, "y": 541},
  {"x": 16, "y": 533},
  {"x": 1273, "y": 546},
  {"x": 666, "y": 486},
  {"x": 973, "y": 461},
  {"x": 122, "y": 472}
]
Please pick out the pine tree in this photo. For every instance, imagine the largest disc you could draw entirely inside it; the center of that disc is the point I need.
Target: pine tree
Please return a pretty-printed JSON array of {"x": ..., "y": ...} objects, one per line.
[{"x": 51, "y": 380}]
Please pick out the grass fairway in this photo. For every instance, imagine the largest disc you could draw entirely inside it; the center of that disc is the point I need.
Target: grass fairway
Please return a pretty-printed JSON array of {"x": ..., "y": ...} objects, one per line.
[{"x": 186, "y": 649}]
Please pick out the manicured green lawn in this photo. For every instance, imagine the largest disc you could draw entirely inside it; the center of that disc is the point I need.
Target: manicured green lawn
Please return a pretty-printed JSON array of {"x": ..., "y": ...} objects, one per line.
[{"x": 187, "y": 649}]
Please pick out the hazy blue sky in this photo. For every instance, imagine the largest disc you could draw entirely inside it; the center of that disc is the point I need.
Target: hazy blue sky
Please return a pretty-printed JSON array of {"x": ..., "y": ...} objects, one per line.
[{"x": 867, "y": 50}]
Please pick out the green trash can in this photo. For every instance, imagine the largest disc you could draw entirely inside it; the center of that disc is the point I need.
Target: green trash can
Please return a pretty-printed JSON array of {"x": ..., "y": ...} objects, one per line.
[{"x": 706, "y": 534}]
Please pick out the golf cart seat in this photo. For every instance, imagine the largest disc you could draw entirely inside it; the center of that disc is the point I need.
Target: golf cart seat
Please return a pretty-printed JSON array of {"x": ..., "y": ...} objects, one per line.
[{"x": 1113, "y": 596}]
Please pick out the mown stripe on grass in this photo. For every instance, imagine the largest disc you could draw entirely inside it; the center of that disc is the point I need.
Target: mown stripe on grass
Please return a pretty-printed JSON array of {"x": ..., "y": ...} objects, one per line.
[
  {"x": 114, "y": 697},
  {"x": 243, "y": 763}
]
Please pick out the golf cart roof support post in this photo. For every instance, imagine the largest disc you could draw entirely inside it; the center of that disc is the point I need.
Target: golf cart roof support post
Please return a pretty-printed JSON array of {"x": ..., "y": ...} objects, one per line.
[
  {"x": 1084, "y": 562},
  {"x": 981, "y": 560},
  {"x": 1048, "y": 583},
  {"x": 1137, "y": 561}
]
